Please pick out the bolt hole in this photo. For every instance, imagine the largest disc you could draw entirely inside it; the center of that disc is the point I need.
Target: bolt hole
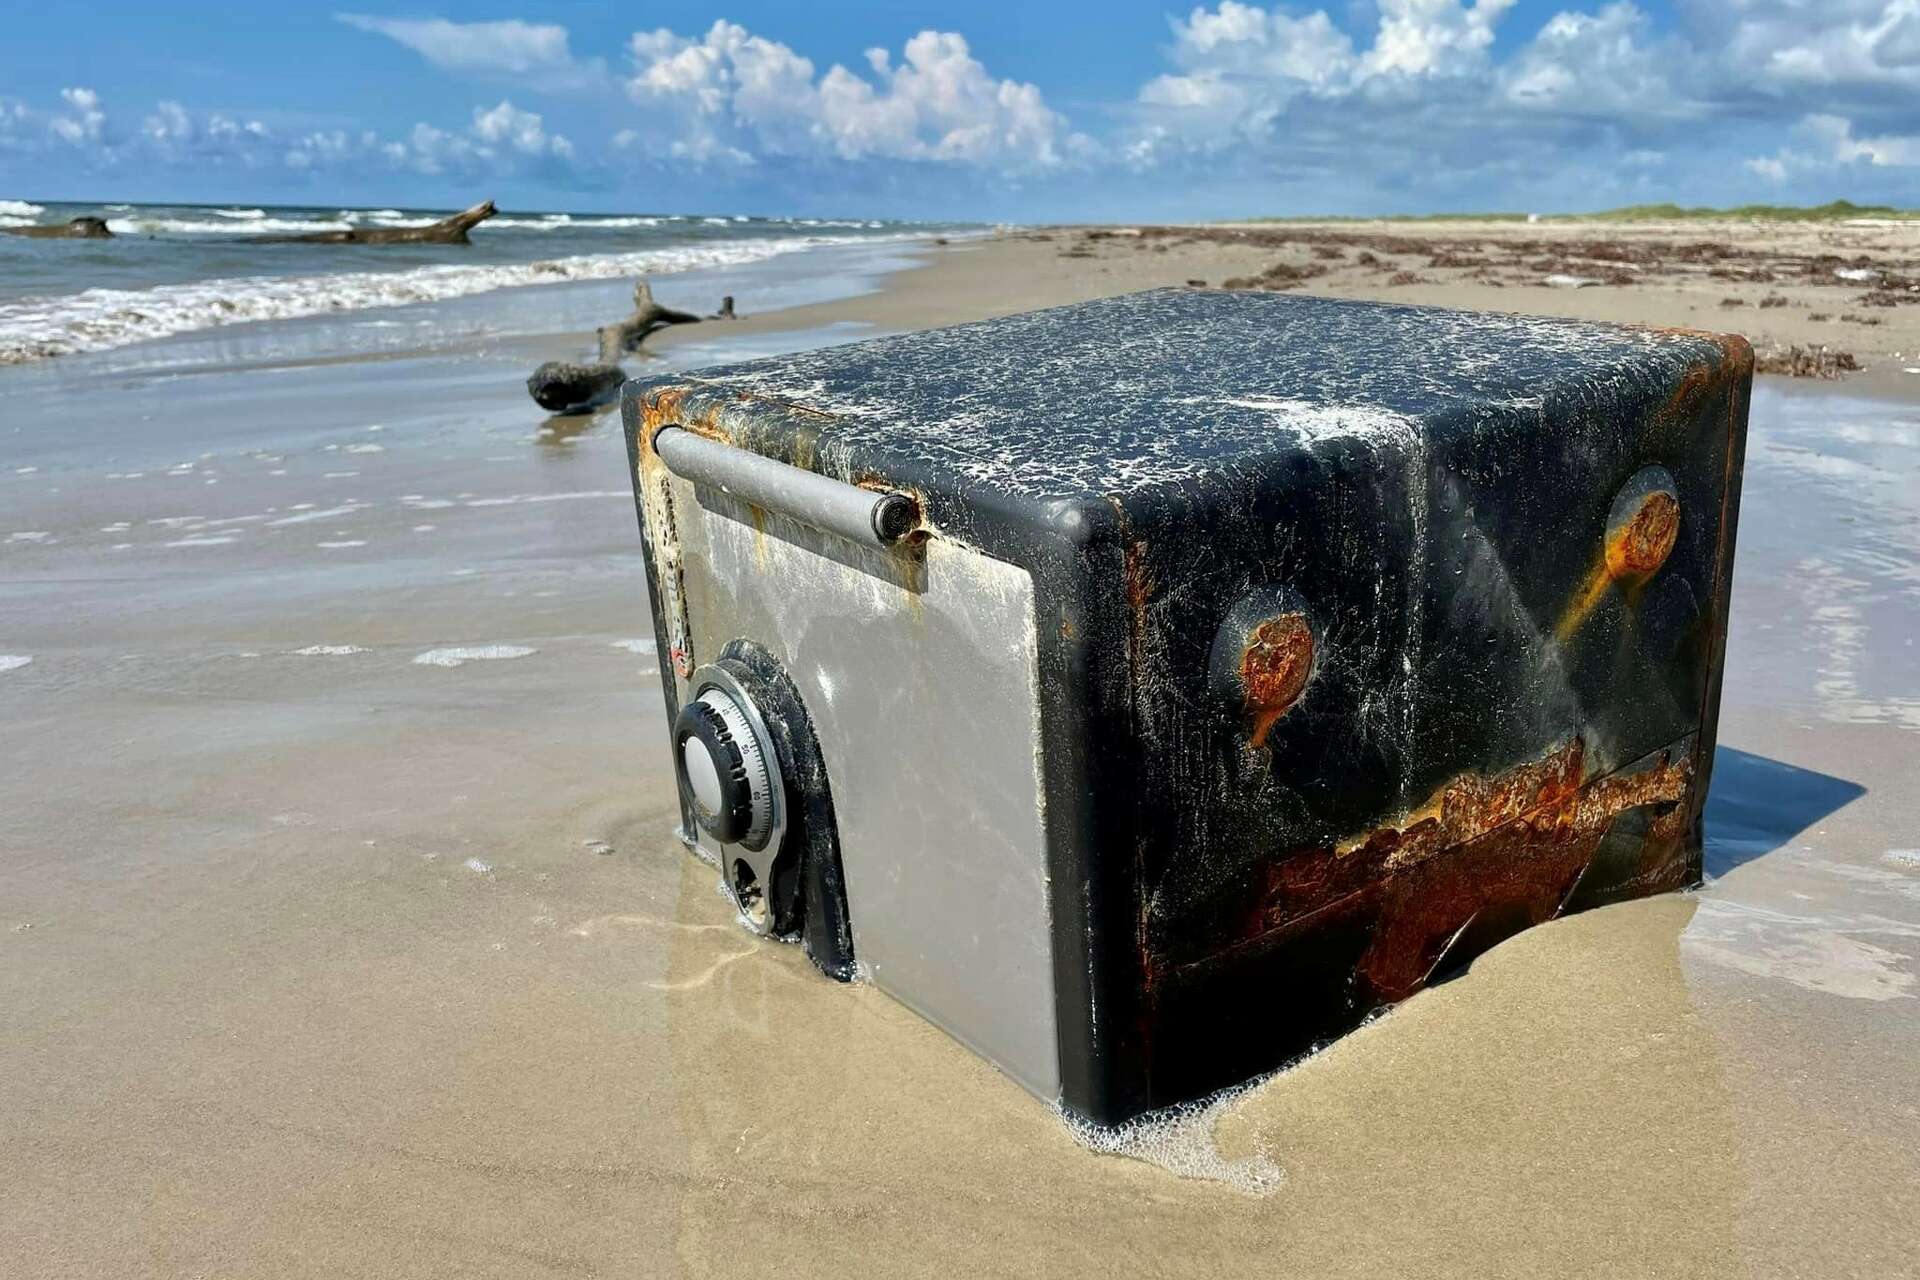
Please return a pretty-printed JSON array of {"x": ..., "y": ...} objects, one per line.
[{"x": 748, "y": 893}]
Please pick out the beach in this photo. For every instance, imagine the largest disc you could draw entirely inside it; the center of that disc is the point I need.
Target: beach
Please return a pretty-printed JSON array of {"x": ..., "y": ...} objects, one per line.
[{"x": 344, "y": 931}]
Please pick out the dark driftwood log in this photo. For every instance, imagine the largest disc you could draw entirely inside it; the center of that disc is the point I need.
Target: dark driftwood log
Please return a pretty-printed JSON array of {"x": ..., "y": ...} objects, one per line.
[
  {"x": 78, "y": 229},
  {"x": 559, "y": 386},
  {"x": 451, "y": 230},
  {"x": 648, "y": 315}
]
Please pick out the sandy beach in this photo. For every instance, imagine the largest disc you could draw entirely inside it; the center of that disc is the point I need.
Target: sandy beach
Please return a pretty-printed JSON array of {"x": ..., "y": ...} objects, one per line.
[{"x": 343, "y": 930}]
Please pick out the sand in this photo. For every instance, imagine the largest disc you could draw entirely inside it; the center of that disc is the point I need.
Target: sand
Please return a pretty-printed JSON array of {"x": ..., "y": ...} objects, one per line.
[{"x": 342, "y": 930}]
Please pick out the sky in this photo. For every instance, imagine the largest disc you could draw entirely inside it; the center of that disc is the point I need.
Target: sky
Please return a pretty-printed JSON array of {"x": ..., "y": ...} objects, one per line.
[{"x": 1030, "y": 111}]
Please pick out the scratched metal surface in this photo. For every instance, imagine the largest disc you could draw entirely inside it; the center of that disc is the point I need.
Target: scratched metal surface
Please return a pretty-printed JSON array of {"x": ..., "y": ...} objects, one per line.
[{"x": 1117, "y": 395}]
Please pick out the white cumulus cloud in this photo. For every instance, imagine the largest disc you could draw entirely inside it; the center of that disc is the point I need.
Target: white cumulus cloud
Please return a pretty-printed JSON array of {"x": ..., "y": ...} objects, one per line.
[
  {"x": 730, "y": 95},
  {"x": 84, "y": 120}
]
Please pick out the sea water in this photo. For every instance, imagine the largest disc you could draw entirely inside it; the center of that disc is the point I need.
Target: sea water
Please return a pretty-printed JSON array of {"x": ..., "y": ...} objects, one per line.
[{"x": 173, "y": 269}]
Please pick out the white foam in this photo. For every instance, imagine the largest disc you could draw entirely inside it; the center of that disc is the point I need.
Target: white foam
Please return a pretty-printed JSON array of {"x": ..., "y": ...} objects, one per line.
[
  {"x": 366, "y": 448},
  {"x": 459, "y": 655},
  {"x": 342, "y": 543},
  {"x": 147, "y": 226},
  {"x": 478, "y": 867},
  {"x": 20, "y": 208},
  {"x": 308, "y": 513},
  {"x": 14, "y": 661},
  {"x": 215, "y": 540},
  {"x": 38, "y": 328},
  {"x": 634, "y": 646},
  {"x": 327, "y": 651},
  {"x": 1180, "y": 1140},
  {"x": 1904, "y": 857},
  {"x": 30, "y": 535}
]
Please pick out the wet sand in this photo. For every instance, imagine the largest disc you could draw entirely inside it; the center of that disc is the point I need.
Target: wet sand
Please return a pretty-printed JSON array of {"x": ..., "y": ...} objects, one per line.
[{"x": 319, "y": 958}]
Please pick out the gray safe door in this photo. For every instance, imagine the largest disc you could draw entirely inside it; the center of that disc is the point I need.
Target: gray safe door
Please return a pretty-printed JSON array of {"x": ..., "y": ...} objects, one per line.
[{"x": 919, "y": 673}]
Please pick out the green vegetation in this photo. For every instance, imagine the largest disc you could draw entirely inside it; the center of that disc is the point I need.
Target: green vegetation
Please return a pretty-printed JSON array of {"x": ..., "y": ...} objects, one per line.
[{"x": 1833, "y": 211}]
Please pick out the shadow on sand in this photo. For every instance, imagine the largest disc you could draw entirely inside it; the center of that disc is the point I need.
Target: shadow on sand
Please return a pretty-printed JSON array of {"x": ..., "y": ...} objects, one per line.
[{"x": 1759, "y": 804}]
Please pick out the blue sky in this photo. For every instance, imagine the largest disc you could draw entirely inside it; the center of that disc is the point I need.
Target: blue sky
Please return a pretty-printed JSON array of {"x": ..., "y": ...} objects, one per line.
[{"x": 1041, "y": 109}]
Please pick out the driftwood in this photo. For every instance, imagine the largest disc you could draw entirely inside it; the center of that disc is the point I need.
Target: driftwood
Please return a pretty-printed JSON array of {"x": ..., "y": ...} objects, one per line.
[
  {"x": 627, "y": 335},
  {"x": 78, "y": 229},
  {"x": 450, "y": 230},
  {"x": 560, "y": 386}
]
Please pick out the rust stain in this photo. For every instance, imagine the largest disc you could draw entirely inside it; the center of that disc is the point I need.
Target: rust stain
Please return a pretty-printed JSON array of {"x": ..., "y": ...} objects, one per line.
[
  {"x": 1487, "y": 853},
  {"x": 759, "y": 518},
  {"x": 1274, "y": 668},
  {"x": 1633, "y": 552},
  {"x": 1471, "y": 805},
  {"x": 1694, "y": 386},
  {"x": 1644, "y": 542},
  {"x": 667, "y": 406}
]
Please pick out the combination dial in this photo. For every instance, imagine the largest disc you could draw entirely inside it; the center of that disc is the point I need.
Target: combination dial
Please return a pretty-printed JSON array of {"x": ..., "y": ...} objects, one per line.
[{"x": 727, "y": 768}]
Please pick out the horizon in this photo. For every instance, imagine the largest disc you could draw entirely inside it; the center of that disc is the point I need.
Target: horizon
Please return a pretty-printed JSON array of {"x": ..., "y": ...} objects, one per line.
[
  {"x": 1840, "y": 207},
  {"x": 1225, "y": 111}
]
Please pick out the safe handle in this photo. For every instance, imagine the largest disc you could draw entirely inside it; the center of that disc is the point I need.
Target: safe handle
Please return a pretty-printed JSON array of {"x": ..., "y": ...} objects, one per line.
[{"x": 861, "y": 515}]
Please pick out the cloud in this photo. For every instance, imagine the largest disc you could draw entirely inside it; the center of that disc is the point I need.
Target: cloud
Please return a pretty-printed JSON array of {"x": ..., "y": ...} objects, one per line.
[
  {"x": 1784, "y": 45},
  {"x": 1597, "y": 65},
  {"x": 1297, "y": 104},
  {"x": 1438, "y": 37},
  {"x": 510, "y": 47},
  {"x": 730, "y": 96},
  {"x": 522, "y": 131},
  {"x": 1593, "y": 104},
  {"x": 501, "y": 140},
  {"x": 1827, "y": 145},
  {"x": 84, "y": 120}
]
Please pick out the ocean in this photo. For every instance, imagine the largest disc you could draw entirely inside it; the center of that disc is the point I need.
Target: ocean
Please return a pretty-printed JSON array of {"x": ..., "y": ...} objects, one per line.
[{"x": 173, "y": 269}]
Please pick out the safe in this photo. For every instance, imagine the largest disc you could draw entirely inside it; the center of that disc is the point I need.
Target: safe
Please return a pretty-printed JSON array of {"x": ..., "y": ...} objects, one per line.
[{"x": 1147, "y": 690}]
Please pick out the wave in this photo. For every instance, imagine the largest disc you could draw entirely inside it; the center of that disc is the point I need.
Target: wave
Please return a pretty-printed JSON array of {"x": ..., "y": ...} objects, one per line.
[
  {"x": 21, "y": 208},
  {"x": 569, "y": 222},
  {"x": 256, "y": 222},
  {"x": 239, "y": 226},
  {"x": 40, "y": 328}
]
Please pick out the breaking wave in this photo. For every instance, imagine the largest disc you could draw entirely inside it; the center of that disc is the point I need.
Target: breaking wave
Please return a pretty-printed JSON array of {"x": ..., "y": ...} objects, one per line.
[{"x": 38, "y": 328}]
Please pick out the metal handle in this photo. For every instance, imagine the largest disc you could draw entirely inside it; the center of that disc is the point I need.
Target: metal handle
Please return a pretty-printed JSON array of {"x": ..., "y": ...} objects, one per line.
[{"x": 878, "y": 519}]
